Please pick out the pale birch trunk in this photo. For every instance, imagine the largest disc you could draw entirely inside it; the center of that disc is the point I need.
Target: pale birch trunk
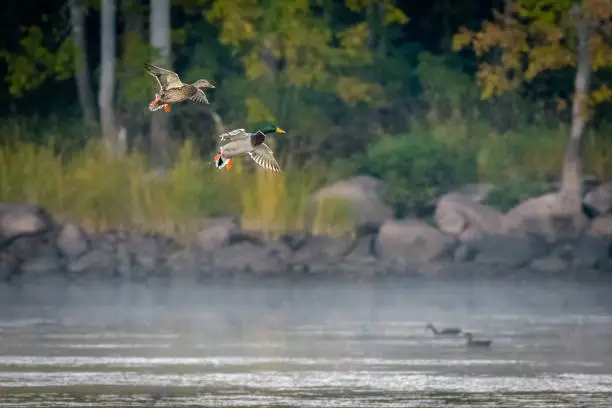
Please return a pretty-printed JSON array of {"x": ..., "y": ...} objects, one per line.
[
  {"x": 83, "y": 81},
  {"x": 106, "y": 94},
  {"x": 159, "y": 35},
  {"x": 571, "y": 180}
]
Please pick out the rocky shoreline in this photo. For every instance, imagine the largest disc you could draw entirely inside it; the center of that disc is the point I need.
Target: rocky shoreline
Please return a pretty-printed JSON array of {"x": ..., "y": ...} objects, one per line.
[{"x": 470, "y": 240}]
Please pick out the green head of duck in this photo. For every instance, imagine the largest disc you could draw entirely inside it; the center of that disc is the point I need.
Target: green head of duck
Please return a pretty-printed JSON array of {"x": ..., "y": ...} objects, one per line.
[{"x": 270, "y": 128}]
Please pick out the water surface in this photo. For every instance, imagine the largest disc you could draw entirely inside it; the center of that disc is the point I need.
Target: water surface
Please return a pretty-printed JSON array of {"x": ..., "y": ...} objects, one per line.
[{"x": 333, "y": 345}]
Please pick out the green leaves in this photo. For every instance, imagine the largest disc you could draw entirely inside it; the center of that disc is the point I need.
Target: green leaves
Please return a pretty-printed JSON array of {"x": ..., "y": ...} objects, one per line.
[
  {"x": 533, "y": 37},
  {"x": 289, "y": 41},
  {"x": 37, "y": 63}
]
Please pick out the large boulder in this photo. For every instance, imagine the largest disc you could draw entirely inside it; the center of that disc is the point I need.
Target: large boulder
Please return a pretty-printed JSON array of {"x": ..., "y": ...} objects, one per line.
[
  {"x": 550, "y": 216},
  {"x": 363, "y": 198},
  {"x": 601, "y": 226},
  {"x": 477, "y": 192},
  {"x": 319, "y": 255},
  {"x": 412, "y": 242},
  {"x": 214, "y": 233},
  {"x": 72, "y": 240},
  {"x": 600, "y": 199},
  {"x": 22, "y": 220},
  {"x": 508, "y": 251},
  {"x": 591, "y": 252},
  {"x": 246, "y": 258},
  {"x": 456, "y": 213}
]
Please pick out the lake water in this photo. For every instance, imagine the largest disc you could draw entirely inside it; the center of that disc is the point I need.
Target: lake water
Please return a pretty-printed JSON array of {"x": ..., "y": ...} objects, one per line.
[{"x": 299, "y": 345}]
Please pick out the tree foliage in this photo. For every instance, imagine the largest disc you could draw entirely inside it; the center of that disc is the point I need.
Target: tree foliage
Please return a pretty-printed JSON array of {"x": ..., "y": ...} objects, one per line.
[
  {"x": 532, "y": 37},
  {"x": 40, "y": 59},
  {"x": 294, "y": 44}
]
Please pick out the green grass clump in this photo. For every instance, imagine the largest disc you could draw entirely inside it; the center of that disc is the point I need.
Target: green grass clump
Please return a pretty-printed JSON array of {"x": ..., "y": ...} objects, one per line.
[
  {"x": 533, "y": 152},
  {"x": 104, "y": 192}
]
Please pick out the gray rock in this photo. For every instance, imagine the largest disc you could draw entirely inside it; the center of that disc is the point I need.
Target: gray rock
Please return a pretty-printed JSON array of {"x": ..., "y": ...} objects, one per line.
[
  {"x": 216, "y": 232},
  {"x": 22, "y": 220},
  {"x": 189, "y": 264},
  {"x": 412, "y": 241},
  {"x": 601, "y": 226},
  {"x": 358, "y": 269},
  {"x": 10, "y": 266},
  {"x": 476, "y": 192},
  {"x": 551, "y": 216},
  {"x": 42, "y": 266},
  {"x": 321, "y": 248},
  {"x": 362, "y": 250},
  {"x": 550, "y": 264},
  {"x": 591, "y": 252},
  {"x": 508, "y": 251},
  {"x": 124, "y": 258},
  {"x": 247, "y": 258},
  {"x": 72, "y": 240},
  {"x": 456, "y": 213},
  {"x": 600, "y": 199},
  {"x": 363, "y": 198},
  {"x": 96, "y": 263},
  {"x": 464, "y": 253},
  {"x": 146, "y": 263}
]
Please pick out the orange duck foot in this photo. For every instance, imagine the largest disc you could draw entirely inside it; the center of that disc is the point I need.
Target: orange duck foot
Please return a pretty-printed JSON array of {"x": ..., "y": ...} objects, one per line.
[
  {"x": 167, "y": 108},
  {"x": 229, "y": 164}
]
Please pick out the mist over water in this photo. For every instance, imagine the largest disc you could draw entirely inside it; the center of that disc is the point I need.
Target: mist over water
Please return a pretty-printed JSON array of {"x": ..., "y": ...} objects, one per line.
[{"x": 306, "y": 344}]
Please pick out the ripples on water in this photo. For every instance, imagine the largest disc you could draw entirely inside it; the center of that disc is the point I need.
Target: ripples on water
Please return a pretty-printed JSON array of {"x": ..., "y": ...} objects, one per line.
[{"x": 306, "y": 346}]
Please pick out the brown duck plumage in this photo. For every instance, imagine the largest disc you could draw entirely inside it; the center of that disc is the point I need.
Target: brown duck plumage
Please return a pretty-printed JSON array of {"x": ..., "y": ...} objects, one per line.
[
  {"x": 476, "y": 343},
  {"x": 173, "y": 90},
  {"x": 447, "y": 331}
]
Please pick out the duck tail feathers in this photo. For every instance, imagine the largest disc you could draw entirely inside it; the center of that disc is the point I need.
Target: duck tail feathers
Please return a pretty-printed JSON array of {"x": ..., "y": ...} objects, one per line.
[{"x": 220, "y": 162}]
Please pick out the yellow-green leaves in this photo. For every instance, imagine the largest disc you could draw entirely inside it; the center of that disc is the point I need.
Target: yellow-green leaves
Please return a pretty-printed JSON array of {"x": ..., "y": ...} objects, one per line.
[
  {"x": 392, "y": 13},
  {"x": 257, "y": 111},
  {"x": 535, "y": 36},
  {"x": 291, "y": 44},
  {"x": 236, "y": 19}
]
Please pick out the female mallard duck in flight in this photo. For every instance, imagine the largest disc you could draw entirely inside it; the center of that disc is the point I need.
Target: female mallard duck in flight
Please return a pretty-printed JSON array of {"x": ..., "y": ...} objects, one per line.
[
  {"x": 449, "y": 331},
  {"x": 252, "y": 144},
  {"x": 476, "y": 343},
  {"x": 173, "y": 90}
]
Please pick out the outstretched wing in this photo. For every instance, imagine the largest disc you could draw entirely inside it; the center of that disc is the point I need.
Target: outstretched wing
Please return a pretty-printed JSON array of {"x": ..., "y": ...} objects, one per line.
[
  {"x": 264, "y": 157},
  {"x": 232, "y": 134},
  {"x": 200, "y": 97},
  {"x": 166, "y": 79}
]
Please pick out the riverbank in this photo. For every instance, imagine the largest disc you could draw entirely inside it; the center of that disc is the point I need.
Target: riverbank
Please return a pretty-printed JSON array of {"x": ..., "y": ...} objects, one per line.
[{"x": 469, "y": 240}]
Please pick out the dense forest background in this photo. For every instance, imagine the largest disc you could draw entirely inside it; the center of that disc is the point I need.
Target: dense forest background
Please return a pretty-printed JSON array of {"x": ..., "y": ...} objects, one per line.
[{"x": 384, "y": 88}]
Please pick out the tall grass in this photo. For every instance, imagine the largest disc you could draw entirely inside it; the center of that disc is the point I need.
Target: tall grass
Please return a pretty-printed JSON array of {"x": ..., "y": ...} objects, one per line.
[
  {"x": 106, "y": 192},
  {"x": 534, "y": 152}
]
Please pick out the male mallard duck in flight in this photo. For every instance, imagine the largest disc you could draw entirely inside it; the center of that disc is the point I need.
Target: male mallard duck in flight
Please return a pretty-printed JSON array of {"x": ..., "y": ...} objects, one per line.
[
  {"x": 476, "y": 343},
  {"x": 449, "y": 331},
  {"x": 252, "y": 144},
  {"x": 173, "y": 90}
]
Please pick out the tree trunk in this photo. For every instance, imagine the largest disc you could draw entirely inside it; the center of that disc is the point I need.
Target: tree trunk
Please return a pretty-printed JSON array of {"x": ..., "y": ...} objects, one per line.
[
  {"x": 571, "y": 184},
  {"x": 159, "y": 33},
  {"x": 107, "y": 76},
  {"x": 133, "y": 16},
  {"x": 83, "y": 81}
]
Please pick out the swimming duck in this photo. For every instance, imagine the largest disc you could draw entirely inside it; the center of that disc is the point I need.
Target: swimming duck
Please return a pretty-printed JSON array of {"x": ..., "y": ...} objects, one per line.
[
  {"x": 476, "y": 343},
  {"x": 449, "y": 331},
  {"x": 241, "y": 142},
  {"x": 173, "y": 90}
]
